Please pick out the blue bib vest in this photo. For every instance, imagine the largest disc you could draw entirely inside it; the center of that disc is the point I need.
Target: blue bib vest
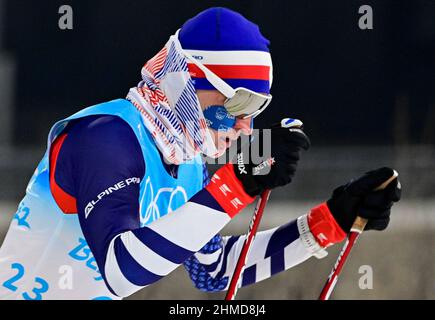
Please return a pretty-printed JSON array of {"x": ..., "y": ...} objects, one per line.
[{"x": 45, "y": 255}]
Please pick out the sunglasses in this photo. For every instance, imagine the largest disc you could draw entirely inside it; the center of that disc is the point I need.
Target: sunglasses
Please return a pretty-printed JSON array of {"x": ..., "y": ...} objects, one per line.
[{"x": 240, "y": 101}]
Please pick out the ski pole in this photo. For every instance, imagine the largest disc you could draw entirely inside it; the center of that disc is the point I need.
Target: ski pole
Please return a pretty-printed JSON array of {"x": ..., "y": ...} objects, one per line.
[
  {"x": 253, "y": 226},
  {"x": 292, "y": 125}
]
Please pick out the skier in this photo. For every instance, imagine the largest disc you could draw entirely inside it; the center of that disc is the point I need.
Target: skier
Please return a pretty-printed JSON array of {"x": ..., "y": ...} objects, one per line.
[{"x": 121, "y": 197}]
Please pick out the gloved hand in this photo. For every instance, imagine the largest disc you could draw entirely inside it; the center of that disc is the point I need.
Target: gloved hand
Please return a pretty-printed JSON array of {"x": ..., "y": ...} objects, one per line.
[
  {"x": 358, "y": 198},
  {"x": 287, "y": 142}
]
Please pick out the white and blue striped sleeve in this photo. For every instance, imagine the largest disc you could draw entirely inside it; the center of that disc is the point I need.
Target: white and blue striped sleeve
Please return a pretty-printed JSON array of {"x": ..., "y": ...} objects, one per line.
[
  {"x": 137, "y": 258},
  {"x": 272, "y": 251}
]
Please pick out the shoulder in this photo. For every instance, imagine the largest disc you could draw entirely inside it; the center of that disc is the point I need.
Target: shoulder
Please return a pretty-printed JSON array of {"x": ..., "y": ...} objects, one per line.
[
  {"x": 104, "y": 137},
  {"x": 101, "y": 126}
]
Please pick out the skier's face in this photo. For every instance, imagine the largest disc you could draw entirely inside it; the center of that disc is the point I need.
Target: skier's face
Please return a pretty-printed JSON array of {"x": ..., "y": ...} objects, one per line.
[{"x": 223, "y": 139}]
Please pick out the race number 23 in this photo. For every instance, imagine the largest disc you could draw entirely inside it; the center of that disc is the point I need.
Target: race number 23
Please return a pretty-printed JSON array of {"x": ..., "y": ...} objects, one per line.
[{"x": 41, "y": 286}]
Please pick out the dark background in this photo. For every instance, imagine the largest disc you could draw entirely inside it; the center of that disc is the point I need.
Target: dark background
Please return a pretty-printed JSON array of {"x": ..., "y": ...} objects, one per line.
[{"x": 349, "y": 86}]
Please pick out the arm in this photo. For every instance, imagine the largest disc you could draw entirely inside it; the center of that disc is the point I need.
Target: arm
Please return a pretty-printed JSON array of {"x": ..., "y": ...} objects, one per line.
[
  {"x": 101, "y": 154},
  {"x": 137, "y": 258},
  {"x": 276, "y": 250},
  {"x": 273, "y": 251}
]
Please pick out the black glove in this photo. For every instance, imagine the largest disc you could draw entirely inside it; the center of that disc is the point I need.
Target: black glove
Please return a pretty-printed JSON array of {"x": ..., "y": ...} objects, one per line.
[
  {"x": 358, "y": 198},
  {"x": 287, "y": 141}
]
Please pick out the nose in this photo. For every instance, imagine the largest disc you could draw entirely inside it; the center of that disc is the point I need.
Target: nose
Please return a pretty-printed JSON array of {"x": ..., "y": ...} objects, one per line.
[{"x": 244, "y": 125}]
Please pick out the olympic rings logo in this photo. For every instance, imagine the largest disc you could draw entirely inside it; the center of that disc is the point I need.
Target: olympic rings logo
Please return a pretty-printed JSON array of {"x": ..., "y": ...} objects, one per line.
[{"x": 153, "y": 211}]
